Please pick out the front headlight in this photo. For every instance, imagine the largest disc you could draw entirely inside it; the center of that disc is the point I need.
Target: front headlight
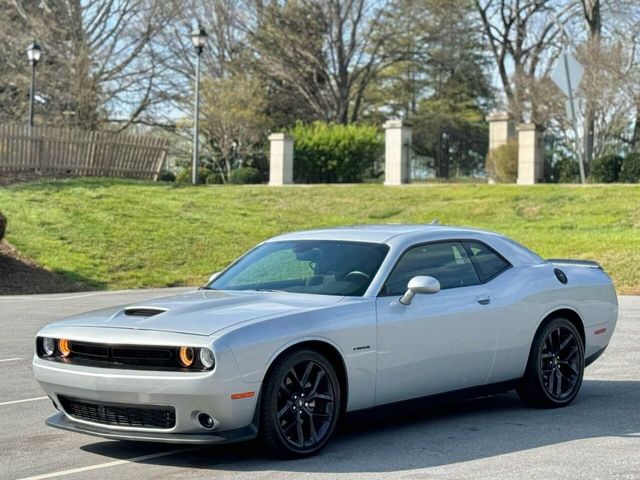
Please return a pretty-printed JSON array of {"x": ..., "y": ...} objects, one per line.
[
  {"x": 64, "y": 346},
  {"x": 48, "y": 346},
  {"x": 186, "y": 356},
  {"x": 207, "y": 359}
]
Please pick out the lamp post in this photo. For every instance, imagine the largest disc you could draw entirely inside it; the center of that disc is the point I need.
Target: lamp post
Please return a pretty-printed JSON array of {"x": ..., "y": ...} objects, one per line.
[
  {"x": 199, "y": 39},
  {"x": 33, "y": 53}
]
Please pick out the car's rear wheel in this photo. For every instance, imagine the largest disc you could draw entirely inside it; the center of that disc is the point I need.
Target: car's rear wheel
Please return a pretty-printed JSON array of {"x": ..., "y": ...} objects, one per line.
[
  {"x": 300, "y": 404},
  {"x": 556, "y": 366}
]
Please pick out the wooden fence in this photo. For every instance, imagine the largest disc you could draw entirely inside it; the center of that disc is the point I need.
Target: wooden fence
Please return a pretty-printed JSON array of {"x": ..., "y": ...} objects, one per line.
[{"x": 80, "y": 153}]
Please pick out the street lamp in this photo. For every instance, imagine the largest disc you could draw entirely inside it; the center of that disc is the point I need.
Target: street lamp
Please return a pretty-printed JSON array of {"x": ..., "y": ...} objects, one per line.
[
  {"x": 33, "y": 54},
  {"x": 199, "y": 39}
]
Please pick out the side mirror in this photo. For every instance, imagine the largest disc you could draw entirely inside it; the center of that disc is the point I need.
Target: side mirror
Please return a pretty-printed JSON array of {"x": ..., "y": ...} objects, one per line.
[
  {"x": 213, "y": 277},
  {"x": 421, "y": 284}
]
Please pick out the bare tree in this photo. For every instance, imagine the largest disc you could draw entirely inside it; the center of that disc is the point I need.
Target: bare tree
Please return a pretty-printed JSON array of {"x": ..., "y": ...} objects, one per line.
[
  {"x": 592, "y": 13},
  {"x": 224, "y": 56},
  {"x": 605, "y": 95},
  {"x": 327, "y": 50},
  {"x": 628, "y": 30},
  {"x": 99, "y": 62},
  {"x": 607, "y": 46},
  {"x": 523, "y": 38},
  {"x": 233, "y": 120}
]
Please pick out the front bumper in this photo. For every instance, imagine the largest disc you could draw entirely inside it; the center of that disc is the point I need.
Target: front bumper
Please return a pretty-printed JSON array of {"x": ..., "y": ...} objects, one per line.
[
  {"x": 62, "y": 421},
  {"x": 188, "y": 393}
]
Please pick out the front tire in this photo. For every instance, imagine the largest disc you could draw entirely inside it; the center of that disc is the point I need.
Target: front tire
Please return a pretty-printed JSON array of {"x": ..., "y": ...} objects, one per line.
[
  {"x": 300, "y": 404},
  {"x": 555, "y": 368}
]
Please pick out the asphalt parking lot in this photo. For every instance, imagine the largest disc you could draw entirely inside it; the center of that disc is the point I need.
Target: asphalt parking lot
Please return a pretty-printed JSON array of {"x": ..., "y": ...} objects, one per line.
[{"x": 598, "y": 436}]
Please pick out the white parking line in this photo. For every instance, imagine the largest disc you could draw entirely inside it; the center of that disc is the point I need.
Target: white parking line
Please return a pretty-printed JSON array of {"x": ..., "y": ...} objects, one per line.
[
  {"x": 23, "y": 400},
  {"x": 109, "y": 464},
  {"x": 10, "y": 359}
]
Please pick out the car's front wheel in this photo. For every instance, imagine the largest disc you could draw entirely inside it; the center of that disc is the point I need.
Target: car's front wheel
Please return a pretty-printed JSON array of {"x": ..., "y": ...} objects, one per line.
[
  {"x": 300, "y": 404},
  {"x": 556, "y": 366}
]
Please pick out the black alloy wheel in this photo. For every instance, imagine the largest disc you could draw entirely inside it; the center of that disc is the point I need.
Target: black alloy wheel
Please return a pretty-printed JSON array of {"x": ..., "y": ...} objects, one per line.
[
  {"x": 300, "y": 404},
  {"x": 560, "y": 363},
  {"x": 555, "y": 369}
]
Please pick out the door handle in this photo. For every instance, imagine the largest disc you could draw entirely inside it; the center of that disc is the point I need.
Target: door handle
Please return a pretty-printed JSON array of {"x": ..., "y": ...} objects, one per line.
[{"x": 483, "y": 299}]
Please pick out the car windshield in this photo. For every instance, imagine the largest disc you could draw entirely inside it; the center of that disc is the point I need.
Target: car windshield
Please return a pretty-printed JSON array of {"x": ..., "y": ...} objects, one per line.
[{"x": 305, "y": 266}]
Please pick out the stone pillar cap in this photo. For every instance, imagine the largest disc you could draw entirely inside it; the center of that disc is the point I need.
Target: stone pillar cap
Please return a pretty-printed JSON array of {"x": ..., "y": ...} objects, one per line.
[
  {"x": 396, "y": 123},
  {"x": 498, "y": 116},
  {"x": 280, "y": 136}
]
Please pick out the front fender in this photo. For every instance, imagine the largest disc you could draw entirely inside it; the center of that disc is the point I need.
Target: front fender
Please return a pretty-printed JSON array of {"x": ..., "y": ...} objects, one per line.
[{"x": 347, "y": 328}]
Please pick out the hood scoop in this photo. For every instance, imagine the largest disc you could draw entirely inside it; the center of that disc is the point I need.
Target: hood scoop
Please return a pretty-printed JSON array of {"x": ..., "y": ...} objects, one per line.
[{"x": 143, "y": 311}]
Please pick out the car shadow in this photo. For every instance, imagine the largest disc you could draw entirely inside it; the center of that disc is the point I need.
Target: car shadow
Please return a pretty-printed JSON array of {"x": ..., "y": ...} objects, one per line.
[{"x": 417, "y": 439}]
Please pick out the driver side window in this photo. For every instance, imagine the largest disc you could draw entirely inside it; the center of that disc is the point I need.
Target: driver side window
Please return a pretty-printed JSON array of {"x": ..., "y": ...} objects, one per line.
[{"x": 447, "y": 262}]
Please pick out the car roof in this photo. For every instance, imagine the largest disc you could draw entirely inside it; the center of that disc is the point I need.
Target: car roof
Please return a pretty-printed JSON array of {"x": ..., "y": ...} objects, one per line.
[
  {"x": 383, "y": 233},
  {"x": 399, "y": 237}
]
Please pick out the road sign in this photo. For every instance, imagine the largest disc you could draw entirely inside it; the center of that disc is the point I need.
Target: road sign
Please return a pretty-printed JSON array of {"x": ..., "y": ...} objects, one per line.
[{"x": 567, "y": 74}]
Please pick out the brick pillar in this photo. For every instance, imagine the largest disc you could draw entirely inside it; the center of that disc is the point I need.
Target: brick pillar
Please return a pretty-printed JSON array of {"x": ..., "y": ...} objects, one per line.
[
  {"x": 280, "y": 159},
  {"x": 530, "y": 154},
  {"x": 397, "y": 150}
]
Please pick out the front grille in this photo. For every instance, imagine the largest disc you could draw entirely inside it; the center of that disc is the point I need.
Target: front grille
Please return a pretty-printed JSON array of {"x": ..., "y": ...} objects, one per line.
[
  {"x": 147, "y": 416},
  {"x": 125, "y": 355},
  {"x": 90, "y": 350},
  {"x": 133, "y": 357}
]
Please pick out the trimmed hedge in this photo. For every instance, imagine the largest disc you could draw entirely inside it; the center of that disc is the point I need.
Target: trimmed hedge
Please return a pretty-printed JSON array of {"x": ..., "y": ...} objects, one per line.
[
  {"x": 213, "y": 178},
  {"x": 245, "y": 175},
  {"x": 566, "y": 170},
  {"x": 166, "y": 176},
  {"x": 184, "y": 175},
  {"x": 606, "y": 169},
  {"x": 334, "y": 153},
  {"x": 630, "y": 169}
]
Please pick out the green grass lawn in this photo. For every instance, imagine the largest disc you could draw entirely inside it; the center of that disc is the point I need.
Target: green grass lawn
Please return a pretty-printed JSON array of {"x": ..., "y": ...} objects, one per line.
[{"x": 126, "y": 234}]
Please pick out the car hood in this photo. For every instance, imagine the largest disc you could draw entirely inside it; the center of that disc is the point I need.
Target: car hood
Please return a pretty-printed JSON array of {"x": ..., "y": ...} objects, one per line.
[{"x": 202, "y": 312}]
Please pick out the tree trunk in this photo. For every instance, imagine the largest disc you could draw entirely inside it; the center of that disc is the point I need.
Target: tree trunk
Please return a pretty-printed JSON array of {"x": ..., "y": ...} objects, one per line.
[
  {"x": 635, "y": 140},
  {"x": 593, "y": 19}
]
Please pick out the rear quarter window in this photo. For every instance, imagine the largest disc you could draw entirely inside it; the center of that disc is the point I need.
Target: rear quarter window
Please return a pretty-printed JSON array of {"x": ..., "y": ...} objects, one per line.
[{"x": 488, "y": 262}]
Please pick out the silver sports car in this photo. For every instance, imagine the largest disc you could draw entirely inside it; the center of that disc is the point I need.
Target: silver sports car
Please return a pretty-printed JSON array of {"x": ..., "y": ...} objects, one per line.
[{"x": 310, "y": 325}]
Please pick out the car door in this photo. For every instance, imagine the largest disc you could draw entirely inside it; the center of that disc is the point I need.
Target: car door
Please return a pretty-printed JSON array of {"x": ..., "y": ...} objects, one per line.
[{"x": 440, "y": 342}]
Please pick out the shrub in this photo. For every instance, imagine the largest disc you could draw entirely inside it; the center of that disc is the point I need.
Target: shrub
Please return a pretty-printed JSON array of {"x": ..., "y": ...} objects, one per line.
[
  {"x": 566, "y": 170},
  {"x": 630, "y": 171},
  {"x": 184, "y": 175},
  {"x": 166, "y": 176},
  {"x": 328, "y": 153},
  {"x": 502, "y": 162},
  {"x": 244, "y": 175},
  {"x": 3, "y": 225},
  {"x": 606, "y": 169},
  {"x": 213, "y": 178}
]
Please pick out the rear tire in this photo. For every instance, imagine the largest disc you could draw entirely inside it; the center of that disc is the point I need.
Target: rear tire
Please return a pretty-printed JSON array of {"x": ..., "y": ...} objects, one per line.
[
  {"x": 555, "y": 368},
  {"x": 300, "y": 404}
]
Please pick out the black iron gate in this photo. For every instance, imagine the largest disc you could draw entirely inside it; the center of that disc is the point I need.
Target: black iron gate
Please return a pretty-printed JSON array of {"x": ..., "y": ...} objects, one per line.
[
  {"x": 450, "y": 153},
  {"x": 460, "y": 153}
]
